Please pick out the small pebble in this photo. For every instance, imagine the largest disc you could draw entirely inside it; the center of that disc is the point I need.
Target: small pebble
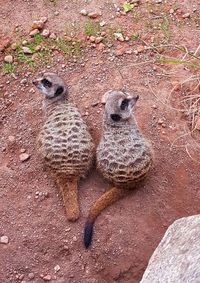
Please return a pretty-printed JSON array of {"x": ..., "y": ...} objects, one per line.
[
  {"x": 38, "y": 48},
  {"x": 46, "y": 33},
  {"x": 44, "y": 19},
  {"x": 102, "y": 24},
  {"x": 57, "y": 268},
  {"x": 186, "y": 15},
  {"x": 4, "y": 240},
  {"x": 8, "y": 59},
  {"x": 56, "y": 13},
  {"x": 11, "y": 138},
  {"x": 27, "y": 50},
  {"x": 53, "y": 36},
  {"x": 34, "y": 32},
  {"x": 98, "y": 39},
  {"x": 14, "y": 46},
  {"x": 119, "y": 36},
  {"x": 38, "y": 24},
  {"x": 92, "y": 38},
  {"x": 160, "y": 121},
  {"x": 140, "y": 49},
  {"x": 31, "y": 276},
  {"x": 74, "y": 238},
  {"x": 24, "y": 157},
  {"x": 24, "y": 42},
  {"x": 94, "y": 104},
  {"x": 84, "y": 12},
  {"x": 23, "y": 81},
  {"x": 47, "y": 278},
  {"x": 94, "y": 15}
]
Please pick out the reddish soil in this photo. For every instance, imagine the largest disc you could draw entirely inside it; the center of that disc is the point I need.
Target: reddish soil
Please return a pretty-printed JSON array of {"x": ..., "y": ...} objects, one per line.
[{"x": 31, "y": 208}]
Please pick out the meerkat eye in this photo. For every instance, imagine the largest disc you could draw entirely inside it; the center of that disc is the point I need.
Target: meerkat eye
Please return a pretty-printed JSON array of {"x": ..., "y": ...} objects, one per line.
[
  {"x": 59, "y": 91},
  {"x": 115, "y": 117},
  {"x": 124, "y": 104},
  {"x": 46, "y": 83}
]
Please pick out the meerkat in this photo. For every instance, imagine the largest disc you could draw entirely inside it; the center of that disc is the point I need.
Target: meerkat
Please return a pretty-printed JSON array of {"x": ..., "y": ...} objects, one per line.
[
  {"x": 64, "y": 141},
  {"x": 123, "y": 155}
]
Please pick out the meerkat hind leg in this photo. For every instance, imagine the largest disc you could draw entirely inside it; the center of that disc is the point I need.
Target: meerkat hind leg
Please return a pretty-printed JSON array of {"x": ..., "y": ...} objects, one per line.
[{"x": 69, "y": 192}]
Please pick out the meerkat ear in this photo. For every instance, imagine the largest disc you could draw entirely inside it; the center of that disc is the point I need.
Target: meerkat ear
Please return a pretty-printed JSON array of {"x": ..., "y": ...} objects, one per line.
[
  {"x": 133, "y": 100},
  {"x": 105, "y": 96},
  {"x": 59, "y": 91}
]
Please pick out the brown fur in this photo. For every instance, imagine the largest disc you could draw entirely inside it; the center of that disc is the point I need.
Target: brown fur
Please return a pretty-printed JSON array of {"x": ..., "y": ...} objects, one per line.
[
  {"x": 64, "y": 141},
  {"x": 124, "y": 156}
]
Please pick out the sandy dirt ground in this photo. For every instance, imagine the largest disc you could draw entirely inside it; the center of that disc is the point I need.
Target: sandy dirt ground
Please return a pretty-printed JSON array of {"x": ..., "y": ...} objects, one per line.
[{"x": 42, "y": 244}]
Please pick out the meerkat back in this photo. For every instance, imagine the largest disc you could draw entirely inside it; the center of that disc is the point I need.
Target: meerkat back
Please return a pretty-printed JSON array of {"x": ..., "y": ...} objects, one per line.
[{"x": 64, "y": 141}]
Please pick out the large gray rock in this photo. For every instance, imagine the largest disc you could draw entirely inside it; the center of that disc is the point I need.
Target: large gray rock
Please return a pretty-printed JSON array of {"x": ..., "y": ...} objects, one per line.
[{"x": 177, "y": 257}]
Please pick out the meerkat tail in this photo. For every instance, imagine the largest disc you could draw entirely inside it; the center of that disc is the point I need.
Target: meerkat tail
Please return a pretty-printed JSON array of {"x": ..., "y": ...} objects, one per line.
[
  {"x": 70, "y": 197},
  {"x": 104, "y": 201}
]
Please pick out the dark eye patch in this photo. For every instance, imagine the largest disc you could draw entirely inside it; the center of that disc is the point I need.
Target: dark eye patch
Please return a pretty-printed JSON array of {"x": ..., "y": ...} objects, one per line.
[
  {"x": 124, "y": 104},
  {"x": 59, "y": 91},
  {"x": 46, "y": 83},
  {"x": 115, "y": 117}
]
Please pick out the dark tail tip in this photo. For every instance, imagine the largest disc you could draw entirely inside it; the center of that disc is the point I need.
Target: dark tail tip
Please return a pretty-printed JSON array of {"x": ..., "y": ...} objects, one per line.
[{"x": 88, "y": 232}]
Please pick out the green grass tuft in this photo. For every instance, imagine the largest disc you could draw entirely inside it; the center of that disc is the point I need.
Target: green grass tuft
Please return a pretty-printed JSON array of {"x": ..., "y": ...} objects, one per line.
[
  {"x": 127, "y": 6},
  {"x": 91, "y": 28},
  {"x": 135, "y": 36},
  {"x": 8, "y": 68}
]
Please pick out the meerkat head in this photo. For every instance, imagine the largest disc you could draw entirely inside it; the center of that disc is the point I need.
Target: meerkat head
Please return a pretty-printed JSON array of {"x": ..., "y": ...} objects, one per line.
[
  {"x": 119, "y": 105},
  {"x": 51, "y": 85}
]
